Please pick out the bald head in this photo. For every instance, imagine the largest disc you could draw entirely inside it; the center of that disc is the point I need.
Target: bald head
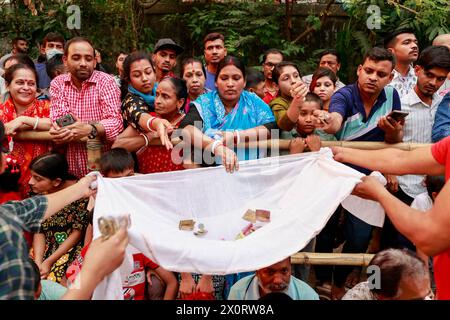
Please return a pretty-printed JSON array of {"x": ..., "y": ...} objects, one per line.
[{"x": 442, "y": 40}]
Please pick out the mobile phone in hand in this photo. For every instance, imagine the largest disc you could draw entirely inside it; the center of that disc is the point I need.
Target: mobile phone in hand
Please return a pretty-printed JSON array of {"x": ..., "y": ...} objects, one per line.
[
  {"x": 398, "y": 115},
  {"x": 65, "y": 120}
]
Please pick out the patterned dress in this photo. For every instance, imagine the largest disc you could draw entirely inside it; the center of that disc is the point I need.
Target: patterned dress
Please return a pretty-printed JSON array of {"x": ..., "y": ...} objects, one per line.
[
  {"x": 25, "y": 151},
  {"x": 158, "y": 159},
  {"x": 58, "y": 228}
]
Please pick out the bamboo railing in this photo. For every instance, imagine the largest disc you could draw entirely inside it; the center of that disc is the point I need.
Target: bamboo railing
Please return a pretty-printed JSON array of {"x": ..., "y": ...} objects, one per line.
[
  {"x": 335, "y": 259},
  {"x": 282, "y": 144}
]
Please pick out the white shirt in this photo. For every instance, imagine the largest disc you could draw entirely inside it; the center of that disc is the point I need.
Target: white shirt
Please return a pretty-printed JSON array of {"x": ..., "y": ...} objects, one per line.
[
  {"x": 418, "y": 126},
  {"x": 422, "y": 202},
  {"x": 404, "y": 84}
]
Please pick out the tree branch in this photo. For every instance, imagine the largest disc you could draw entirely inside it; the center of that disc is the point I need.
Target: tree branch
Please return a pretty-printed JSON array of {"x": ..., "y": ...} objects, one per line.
[
  {"x": 147, "y": 5},
  {"x": 323, "y": 14},
  {"x": 395, "y": 3}
]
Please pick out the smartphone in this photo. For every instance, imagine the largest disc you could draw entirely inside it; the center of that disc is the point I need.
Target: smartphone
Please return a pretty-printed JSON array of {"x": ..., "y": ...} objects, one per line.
[
  {"x": 398, "y": 115},
  {"x": 65, "y": 120}
]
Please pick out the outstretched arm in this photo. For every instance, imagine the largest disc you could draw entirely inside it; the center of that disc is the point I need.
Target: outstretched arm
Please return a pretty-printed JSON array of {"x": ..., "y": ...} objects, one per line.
[
  {"x": 428, "y": 231},
  {"x": 391, "y": 161}
]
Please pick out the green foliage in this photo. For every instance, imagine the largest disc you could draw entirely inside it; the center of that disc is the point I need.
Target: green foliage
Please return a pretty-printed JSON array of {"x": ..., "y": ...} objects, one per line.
[
  {"x": 249, "y": 27},
  {"x": 112, "y": 25},
  {"x": 428, "y": 18}
]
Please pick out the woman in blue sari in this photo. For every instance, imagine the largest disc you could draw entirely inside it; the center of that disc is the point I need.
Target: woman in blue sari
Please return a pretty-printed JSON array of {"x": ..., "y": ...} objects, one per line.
[
  {"x": 227, "y": 116},
  {"x": 221, "y": 119}
]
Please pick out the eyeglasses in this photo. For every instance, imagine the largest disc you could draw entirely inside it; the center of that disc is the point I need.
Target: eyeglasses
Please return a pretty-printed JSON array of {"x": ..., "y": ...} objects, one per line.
[{"x": 269, "y": 64}]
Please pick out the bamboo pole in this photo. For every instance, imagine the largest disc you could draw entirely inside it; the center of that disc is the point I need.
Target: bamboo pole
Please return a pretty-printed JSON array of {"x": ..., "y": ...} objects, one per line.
[
  {"x": 283, "y": 144},
  {"x": 337, "y": 259},
  {"x": 33, "y": 136},
  {"x": 37, "y": 136}
]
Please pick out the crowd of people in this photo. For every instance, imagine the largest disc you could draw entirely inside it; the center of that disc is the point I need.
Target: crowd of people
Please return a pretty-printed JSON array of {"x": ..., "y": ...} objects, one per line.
[{"x": 57, "y": 111}]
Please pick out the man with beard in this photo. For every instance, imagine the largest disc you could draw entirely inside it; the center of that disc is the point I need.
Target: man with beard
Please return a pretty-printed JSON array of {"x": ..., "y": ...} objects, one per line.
[
  {"x": 93, "y": 100},
  {"x": 274, "y": 278},
  {"x": 214, "y": 51},
  {"x": 360, "y": 112},
  {"x": 271, "y": 58},
  {"x": 404, "y": 46},
  {"x": 164, "y": 57},
  {"x": 19, "y": 45}
]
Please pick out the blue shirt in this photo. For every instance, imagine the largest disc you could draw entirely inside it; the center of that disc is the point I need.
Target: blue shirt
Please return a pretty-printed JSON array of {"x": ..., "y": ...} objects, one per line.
[
  {"x": 210, "y": 80},
  {"x": 51, "y": 290},
  {"x": 348, "y": 103},
  {"x": 356, "y": 125},
  {"x": 441, "y": 127},
  {"x": 248, "y": 289},
  {"x": 44, "y": 79}
]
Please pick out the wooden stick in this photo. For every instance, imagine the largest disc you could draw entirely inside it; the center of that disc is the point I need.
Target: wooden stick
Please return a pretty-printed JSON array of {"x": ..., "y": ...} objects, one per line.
[
  {"x": 37, "y": 136},
  {"x": 283, "y": 144},
  {"x": 338, "y": 259},
  {"x": 33, "y": 136}
]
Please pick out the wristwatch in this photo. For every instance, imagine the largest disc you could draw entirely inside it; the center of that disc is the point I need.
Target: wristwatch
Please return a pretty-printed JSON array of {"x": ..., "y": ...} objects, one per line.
[{"x": 93, "y": 133}]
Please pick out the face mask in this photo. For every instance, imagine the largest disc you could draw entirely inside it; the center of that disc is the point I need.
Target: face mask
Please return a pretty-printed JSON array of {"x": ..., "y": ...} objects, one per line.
[{"x": 52, "y": 52}]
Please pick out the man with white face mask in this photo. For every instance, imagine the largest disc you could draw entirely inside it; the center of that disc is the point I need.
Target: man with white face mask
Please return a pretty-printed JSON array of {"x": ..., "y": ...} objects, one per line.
[
  {"x": 52, "y": 44},
  {"x": 274, "y": 278}
]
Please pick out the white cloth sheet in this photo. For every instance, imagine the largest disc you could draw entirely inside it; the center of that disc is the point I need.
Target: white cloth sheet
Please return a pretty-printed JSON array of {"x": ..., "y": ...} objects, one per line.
[{"x": 301, "y": 191}]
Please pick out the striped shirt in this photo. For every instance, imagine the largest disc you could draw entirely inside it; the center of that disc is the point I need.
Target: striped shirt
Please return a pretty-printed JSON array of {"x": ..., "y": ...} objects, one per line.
[
  {"x": 356, "y": 124},
  {"x": 16, "y": 273},
  {"x": 97, "y": 101},
  {"x": 418, "y": 126}
]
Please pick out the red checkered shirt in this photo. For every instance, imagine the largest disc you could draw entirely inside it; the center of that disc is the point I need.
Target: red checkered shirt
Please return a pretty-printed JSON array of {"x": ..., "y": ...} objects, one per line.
[{"x": 98, "y": 100}]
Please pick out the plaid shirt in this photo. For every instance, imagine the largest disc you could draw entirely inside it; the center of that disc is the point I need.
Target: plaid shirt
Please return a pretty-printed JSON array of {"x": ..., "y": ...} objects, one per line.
[
  {"x": 17, "y": 276},
  {"x": 97, "y": 101}
]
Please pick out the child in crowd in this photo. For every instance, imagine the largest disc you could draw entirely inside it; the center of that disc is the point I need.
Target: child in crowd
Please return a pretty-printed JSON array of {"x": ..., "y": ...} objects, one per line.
[
  {"x": 255, "y": 82},
  {"x": 323, "y": 84},
  {"x": 143, "y": 279},
  {"x": 305, "y": 137},
  {"x": 305, "y": 134},
  {"x": 60, "y": 238},
  {"x": 291, "y": 94}
]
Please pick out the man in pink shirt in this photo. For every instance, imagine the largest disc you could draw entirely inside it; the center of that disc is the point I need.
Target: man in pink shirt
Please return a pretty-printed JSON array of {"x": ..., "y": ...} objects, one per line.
[
  {"x": 429, "y": 231},
  {"x": 91, "y": 97}
]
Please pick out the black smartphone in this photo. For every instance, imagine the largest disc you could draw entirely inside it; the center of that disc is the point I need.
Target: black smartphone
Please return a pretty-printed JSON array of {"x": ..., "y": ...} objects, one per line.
[
  {"x": 398, "y": 115},
  {"x": 65, "y": 120}
]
